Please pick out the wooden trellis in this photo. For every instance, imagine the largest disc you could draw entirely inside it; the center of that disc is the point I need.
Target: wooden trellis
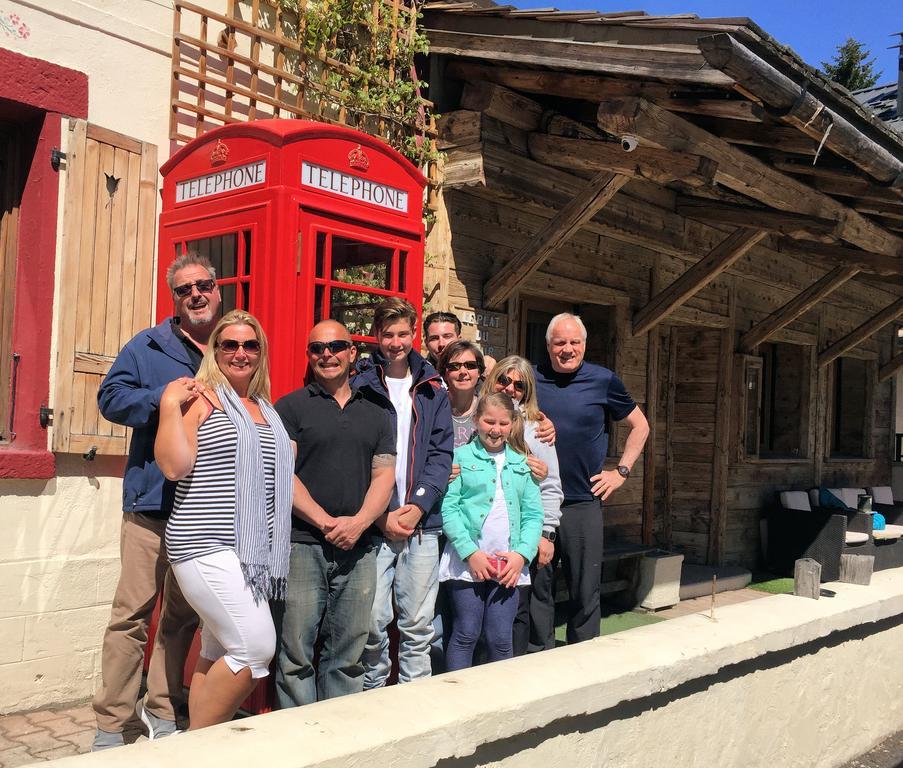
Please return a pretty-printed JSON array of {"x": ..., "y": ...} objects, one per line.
[{"x": 250, "y": 63}]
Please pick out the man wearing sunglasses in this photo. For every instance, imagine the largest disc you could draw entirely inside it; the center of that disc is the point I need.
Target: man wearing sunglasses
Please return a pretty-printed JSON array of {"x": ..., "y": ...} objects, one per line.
[
  {"x": 130, "y": 395},
  {"x": 344, "y": 478},
  {"x": 580, "y": 398}
]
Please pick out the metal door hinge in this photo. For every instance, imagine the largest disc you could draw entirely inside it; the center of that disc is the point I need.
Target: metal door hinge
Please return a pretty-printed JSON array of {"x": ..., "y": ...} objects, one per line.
[{"x": 45, "y": 416}]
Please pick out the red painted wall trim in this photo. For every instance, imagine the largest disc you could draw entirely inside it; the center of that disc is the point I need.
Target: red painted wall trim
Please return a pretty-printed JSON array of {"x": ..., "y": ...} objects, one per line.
[
  {"x": 42, "y": 85},
  {"x": 56, "y": 91}
]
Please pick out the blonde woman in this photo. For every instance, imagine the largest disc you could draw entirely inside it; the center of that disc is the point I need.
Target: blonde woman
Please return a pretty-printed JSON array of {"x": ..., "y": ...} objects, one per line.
[
  {"x": 228, "y": 536},
  {"x": 534, "y": 626}
]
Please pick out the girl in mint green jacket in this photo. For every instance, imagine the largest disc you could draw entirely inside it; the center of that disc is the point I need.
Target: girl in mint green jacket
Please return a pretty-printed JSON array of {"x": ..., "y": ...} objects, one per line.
[{"x": 492, "y": 515}]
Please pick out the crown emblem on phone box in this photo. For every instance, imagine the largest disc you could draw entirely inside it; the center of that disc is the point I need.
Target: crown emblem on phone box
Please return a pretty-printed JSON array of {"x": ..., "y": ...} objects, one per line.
[{"x": 357, "y": 158}]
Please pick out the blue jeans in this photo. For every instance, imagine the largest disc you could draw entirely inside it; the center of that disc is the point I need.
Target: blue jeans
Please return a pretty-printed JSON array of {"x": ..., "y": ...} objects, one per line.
[
  {"x": 329, "y": 594},
  {"x": 407, "y": 571},
  {"x": 480, "y": 608}
]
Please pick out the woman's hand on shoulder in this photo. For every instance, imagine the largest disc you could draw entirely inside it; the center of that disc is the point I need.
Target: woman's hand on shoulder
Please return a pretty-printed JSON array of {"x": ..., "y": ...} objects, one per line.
[
  {"x": 514, "y": 564},
  {"x": 538, "y": 468},
  {"x": 479, "y": 566},
  {"x": 545, "y": 429},
  {"x": 183, "y": 391}
]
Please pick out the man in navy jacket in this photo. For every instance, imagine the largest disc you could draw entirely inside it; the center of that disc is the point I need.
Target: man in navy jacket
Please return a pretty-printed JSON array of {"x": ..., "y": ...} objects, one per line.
[
  {"x": 407, "y": 560},
  {"x": 130, "y": 395}
]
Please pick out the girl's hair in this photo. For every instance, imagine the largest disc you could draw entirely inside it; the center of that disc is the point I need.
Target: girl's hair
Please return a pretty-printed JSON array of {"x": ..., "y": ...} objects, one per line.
[
  {"x": 456, "y": 348},
  {"x": 501, "y": 400},
  {"x": 528, "y": 405},
  {"x": 210, "y": 374}
]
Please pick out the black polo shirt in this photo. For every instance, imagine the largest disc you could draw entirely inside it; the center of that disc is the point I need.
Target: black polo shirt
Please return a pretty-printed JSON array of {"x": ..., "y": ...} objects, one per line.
[
  {"x": 336, "y": 447},
  {"x": 194, "y": 352}
]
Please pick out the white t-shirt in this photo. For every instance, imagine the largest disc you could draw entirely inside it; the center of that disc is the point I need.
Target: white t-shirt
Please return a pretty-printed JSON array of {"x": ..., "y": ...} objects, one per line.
[
  {"x": 495, "y": 536},
  {"x": 400, "y": 395}
]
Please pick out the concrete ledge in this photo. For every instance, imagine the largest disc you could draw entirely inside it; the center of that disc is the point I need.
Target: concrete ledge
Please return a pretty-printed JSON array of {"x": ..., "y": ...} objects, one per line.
[{"x": 777, "y": 681}]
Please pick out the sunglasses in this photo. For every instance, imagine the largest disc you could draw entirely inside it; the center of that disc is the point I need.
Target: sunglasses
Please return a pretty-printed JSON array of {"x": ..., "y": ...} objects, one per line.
[
  {"x": 336, "y": 346},
  {"x": 230, "y": 346},
  {"x": 203, "y": 286},
  {"x": 506, "y": 381},
  {"x": 469, "y": 365}
]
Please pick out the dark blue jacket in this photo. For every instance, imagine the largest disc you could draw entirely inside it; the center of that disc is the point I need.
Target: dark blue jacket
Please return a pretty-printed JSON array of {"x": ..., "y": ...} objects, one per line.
[
  {"x": 130, "y": 395},
  {"x": 431, "y": 442}
]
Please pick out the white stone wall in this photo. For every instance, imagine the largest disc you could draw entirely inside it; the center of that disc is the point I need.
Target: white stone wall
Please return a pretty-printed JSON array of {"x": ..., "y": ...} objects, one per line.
[
  {"x": 781, "y": 681},
  {"x": 59, "y": 562}
]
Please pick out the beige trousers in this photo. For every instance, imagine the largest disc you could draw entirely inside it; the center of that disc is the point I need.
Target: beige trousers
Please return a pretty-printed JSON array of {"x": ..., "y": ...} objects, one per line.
[{"x": 145, "y": 572}]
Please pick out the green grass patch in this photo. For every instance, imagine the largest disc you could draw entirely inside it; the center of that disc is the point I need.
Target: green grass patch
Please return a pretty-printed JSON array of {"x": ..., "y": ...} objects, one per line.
[
  {"x": 774, "y": 586},
  {"x": 616, "y": 622}
]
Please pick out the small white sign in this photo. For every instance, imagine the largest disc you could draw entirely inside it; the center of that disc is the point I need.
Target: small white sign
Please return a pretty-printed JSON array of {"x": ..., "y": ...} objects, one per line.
[
  {"x": 228, "y": 179},
  {"x": 356, "y": 188}
]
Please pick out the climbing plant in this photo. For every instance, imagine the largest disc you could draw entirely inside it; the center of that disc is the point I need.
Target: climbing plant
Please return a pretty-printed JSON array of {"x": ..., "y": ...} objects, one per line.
[{"x": 361, "y": 63}]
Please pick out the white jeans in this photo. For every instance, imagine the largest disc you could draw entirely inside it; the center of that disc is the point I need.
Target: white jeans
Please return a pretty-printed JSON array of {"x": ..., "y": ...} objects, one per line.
[{"x": 236, "y": 628}]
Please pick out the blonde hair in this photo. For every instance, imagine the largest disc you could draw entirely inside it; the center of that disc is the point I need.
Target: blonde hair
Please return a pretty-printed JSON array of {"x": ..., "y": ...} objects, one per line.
[
  {"x": 210, "y": 373},
  {"x": 529, "y": 406},
  {"x": 501, "y": 400}
]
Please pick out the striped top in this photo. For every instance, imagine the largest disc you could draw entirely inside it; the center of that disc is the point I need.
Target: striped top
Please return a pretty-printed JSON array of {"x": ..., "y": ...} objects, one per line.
[{"x": 203, "y": 516}]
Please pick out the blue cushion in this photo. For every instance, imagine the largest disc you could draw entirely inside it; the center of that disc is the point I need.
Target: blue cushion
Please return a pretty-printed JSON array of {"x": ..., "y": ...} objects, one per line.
[
  {"x": 878, "y": 521},
  {"x": 830, "y": 501}
]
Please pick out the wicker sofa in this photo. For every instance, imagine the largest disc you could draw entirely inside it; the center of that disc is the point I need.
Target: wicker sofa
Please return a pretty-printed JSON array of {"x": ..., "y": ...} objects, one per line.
[{"x": 798, "y": 528}]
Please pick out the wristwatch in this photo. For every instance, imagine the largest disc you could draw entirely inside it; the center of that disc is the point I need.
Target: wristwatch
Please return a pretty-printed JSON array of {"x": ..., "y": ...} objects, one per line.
[
  {"x": 623, "y": 471},
  {"x": 550, "y": 535}
]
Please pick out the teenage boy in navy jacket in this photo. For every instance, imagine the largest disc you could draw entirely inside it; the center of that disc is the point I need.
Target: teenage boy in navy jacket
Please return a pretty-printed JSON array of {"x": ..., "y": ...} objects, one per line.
[{"x": 407, "y": 560}]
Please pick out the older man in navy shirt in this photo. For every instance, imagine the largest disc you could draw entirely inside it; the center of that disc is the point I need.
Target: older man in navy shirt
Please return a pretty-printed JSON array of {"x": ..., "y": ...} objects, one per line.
[{"x": 580, "y": 398}]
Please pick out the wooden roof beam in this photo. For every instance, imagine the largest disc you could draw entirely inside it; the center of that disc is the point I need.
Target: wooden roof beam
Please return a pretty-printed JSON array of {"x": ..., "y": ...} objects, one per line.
[
  {"x": 742, "y": 172},
  {"x": 678, "y": 64},
  {"x": 793, "y": 224},
  {"x": 796, "y": 307},
  {"x": 890, "y": 367},
  {"x": 872, "y": 263},
  {"x": 860, "y": 334},
  {"x": 659, "y": 165},
  {"x": 696, "y": 278},
  {"x": 577, "y": 212},
  {"x": 799, "y": 107}
]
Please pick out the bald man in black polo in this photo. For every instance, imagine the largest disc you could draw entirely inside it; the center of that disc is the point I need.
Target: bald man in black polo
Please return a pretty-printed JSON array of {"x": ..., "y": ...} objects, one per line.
[{"x": 344, "y": 478}]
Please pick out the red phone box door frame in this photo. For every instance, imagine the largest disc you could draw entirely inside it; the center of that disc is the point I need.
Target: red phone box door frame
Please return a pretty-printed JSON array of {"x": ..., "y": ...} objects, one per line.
[{"x": 303, "y": 221}]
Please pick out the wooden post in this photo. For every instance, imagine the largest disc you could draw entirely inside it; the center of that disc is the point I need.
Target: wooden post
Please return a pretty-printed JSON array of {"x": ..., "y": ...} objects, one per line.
[
  {"x": 890, "y": 367},
  {"x": 577, "y": 212},
  {"x": 857, "y": 569},
  {"x": 652, "y": 390},
  {"x": 807, "y": 578},
  {"x": 796, "y": 307},
  {"x": 696, "y": 278}
]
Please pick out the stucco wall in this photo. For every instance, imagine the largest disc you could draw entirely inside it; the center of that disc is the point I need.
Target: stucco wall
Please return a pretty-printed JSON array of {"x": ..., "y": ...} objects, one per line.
[{"x": 781, "y": 681}]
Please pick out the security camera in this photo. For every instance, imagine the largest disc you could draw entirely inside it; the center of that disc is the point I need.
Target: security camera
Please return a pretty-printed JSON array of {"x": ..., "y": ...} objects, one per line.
[{"x": 629, "y": 143}]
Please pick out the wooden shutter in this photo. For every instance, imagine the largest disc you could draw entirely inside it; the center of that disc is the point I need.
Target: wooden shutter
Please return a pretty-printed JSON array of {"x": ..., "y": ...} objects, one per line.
[
  {"x": 106, "y": 285},
  {"x": 10, "y": 196}
]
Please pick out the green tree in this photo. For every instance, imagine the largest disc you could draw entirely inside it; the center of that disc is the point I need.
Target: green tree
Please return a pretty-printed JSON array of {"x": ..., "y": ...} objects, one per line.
[{"x": 851, "y": 67}]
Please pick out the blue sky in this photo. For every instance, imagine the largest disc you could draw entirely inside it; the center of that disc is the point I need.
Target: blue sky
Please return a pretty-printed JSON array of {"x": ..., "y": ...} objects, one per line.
[{"x": 812, "y": 28}]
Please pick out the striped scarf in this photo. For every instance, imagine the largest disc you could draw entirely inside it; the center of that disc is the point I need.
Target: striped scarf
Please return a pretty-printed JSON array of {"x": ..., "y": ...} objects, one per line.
[{"x": 264, "y": 561}]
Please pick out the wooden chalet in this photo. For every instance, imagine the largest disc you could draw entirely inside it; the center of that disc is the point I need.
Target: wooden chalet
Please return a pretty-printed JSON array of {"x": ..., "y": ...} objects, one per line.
[{"x": 728, "y": 223}]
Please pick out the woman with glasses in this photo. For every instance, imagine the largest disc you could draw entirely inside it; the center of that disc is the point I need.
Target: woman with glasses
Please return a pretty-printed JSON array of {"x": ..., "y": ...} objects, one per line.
[
  {"x": 228, "y": 537},
  {"x": 461, "y": 366},
  {"x": 535, "y": 620}
]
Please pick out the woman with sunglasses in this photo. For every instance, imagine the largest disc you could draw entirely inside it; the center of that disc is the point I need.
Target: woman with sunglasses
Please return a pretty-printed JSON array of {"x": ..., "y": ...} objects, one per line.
[
  {"x": 513, "y": 375},
  {"x": 228, "y": 537},
  {"x": 461, "y": 366}
]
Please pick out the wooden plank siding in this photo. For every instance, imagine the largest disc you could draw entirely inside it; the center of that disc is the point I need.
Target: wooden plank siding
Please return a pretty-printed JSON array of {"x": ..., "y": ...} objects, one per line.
[{"x": 628, "y": 253}]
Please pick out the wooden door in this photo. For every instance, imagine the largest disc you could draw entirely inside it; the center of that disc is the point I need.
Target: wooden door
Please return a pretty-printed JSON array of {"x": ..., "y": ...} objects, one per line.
[
  {"x": 107, "y": 286},
  {"x": 691, "y": 438}
]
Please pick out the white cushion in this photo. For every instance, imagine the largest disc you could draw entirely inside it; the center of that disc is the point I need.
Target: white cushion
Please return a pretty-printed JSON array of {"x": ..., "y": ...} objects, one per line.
[
  {"x": 850, "y": 496},
  {"x": 889, "y": 532},
  {"x": 882, "y": 494},
  {"x": 795, "y": 500},
  {"x": 854, "y": 537}
]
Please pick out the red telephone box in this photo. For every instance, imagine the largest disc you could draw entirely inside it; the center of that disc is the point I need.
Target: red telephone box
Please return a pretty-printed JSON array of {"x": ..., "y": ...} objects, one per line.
[{"x": 303, "y": 221}]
